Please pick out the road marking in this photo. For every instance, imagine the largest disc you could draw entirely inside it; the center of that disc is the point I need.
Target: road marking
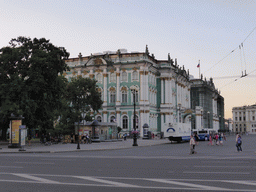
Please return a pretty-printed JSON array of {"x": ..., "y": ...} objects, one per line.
[
  {"x": 241, "y": 182},
  {"x": 36, "y": 178},
  {"x": 219, "y": 166},
  {"x": 11, "y": 167},
  {"x": 36, "y": 163},
  {"x": 201, "y": 187},
  {"x": 236, "y": 173},
  {"x": 118, "y": 184},
  {"x": 107, "y": 183}
]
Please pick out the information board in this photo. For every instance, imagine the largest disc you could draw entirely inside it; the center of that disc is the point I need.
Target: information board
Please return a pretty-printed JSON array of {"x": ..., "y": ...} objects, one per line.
[{"x": 15, "y": 130}]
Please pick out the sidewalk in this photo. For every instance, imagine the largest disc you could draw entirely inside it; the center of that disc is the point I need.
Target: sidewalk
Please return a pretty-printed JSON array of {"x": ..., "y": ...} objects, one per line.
[{"x": 61, "y": 148}]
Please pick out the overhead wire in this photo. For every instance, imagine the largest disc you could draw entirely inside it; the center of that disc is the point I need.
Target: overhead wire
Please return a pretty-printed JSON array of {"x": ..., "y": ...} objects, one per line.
[
  {"x": 231, "y": 51},
  {"x": 240, "y": 47}
]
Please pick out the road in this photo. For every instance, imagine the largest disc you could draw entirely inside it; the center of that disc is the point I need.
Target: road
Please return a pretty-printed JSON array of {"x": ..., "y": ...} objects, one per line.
[{"x": 167, "y": 167}]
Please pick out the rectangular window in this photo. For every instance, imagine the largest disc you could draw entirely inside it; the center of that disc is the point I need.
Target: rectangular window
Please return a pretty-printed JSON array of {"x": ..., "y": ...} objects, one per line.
[
  {"x": 112, "y": 77},
  {"x": 112, "y": 97},
  {"x": 125, "y": 122},
  {"x": 124, "y": 76},
  {"x": 136, "y": 97},
  {"x": 124, "y": 97}
]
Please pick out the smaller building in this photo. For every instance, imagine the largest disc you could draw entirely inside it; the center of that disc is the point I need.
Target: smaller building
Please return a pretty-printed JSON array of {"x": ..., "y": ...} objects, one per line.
[
  {"x": 208, "y": 104},
  {"x": 99, "y": 131},
  {"x": 244, "y": 120}
]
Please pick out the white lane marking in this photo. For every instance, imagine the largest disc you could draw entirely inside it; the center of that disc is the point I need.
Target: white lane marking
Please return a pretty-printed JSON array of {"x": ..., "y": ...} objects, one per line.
[
  {"x": 209, "y": 188},
  {"x": 236, "y": 173},
  {"x": 42, "y": 180},
  {"x": 241, "y": 182},
  {"x": 223, "y": 166},
  {"x": 59, "y": 159},
  {"x": 141, "y": 187},
  {"x": 118, "y": 184},
  {"x": 11, "y": 167},
  {"x": 36, "y": 163},
  {"x": 201, "y": 187}
]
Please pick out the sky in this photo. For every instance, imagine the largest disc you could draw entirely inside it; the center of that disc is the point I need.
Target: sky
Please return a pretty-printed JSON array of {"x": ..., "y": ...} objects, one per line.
[{"x": 219, "y": 33}]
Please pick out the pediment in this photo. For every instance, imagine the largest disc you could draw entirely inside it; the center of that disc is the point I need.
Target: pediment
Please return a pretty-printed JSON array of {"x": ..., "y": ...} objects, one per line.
[{"x": 96, "y": 61}]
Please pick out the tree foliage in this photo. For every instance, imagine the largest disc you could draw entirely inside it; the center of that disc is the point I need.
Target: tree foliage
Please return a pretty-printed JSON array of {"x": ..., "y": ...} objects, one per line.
[
  {"x": 30, "y": 82},
  {"x": 81, "y": 99}
]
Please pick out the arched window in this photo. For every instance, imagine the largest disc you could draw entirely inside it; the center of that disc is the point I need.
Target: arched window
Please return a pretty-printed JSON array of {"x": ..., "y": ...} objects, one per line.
[
  {"x": 112, "y": 119},
  {"x": 98, "y": 118},
  {"x": 99, "y": 78},
  {"x": 135, "y": 76},
  {"x": 136, "y": 122},
  {"x": 112, "y": 95},
  {"x": 136, "y": 96},
  {"x": 124, "y": 76},
  {"x": 124, "y": 96},
  {"x": 125, "y": 122},
  {"x": 112, "y": 77}
]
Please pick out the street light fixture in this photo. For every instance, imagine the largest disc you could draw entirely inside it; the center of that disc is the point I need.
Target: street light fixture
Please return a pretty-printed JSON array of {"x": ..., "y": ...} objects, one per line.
[
  {"x": 134, "y": 119},
  {"x": 208, "y": 112}
]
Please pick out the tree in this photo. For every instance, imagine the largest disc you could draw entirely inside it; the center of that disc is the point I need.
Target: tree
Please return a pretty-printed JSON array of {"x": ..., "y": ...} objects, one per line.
[
  {"x": 30, "y": 82},
  {"x": 82, "y": 98}
]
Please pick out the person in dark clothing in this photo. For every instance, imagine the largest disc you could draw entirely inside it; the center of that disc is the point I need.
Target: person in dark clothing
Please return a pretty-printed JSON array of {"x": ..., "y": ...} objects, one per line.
[{"x": 239, "y": 143}]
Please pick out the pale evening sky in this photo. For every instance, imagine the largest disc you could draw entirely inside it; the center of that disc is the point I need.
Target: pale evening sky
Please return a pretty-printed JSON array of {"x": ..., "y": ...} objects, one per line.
[{"x": 190, "y": 30}]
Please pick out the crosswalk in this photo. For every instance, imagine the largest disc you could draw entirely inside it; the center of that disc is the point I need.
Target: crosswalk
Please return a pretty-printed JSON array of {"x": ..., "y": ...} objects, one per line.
[{"x": 124, "y": 182}]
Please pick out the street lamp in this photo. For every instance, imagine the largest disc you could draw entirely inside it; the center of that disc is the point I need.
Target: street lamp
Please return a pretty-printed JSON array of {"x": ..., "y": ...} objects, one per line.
[
  {"x": 78, "y": 143},
  {"x": 134, "y": 119},
  {"x": 208, "y": 112}
]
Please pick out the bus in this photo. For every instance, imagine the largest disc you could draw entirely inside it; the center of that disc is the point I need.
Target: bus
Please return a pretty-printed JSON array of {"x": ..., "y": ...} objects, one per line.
[{"x": 203, "y": 134}]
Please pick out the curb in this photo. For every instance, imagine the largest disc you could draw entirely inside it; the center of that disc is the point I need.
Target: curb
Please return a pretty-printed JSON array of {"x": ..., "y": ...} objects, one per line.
[{"x": 79, "y": 150}]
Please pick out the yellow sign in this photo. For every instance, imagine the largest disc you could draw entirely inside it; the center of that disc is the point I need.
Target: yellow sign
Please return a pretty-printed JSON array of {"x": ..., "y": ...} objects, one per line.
[{"x": 15, "y": 130}]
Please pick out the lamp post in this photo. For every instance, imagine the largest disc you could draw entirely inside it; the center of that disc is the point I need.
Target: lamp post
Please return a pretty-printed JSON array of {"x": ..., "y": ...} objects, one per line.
[
  {"x": 78, "y": 143},
  {"x": 134, "y": 120},
  {"x": 208, "y": 112}
]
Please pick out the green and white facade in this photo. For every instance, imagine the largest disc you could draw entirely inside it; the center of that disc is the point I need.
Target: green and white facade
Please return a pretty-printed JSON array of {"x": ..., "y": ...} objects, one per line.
[{"x": 162, "y": 88}]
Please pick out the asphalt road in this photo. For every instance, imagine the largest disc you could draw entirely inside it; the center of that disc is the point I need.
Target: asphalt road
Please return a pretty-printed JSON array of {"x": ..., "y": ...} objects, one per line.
[{"x": 167, "y": 167}]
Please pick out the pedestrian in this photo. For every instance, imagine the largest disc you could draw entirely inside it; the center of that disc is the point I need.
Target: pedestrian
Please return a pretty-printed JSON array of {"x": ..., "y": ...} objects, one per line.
[
  {"x": 210, "y": 140},
  {"x": 196, "y": 138},
  {"x": 192, "y": 144},
  {"x": 124, "y": 136},
  {"x": 221, "y": 139},
  {"x": 239, "y": 143},
  {"x": 217, "y": 139}
]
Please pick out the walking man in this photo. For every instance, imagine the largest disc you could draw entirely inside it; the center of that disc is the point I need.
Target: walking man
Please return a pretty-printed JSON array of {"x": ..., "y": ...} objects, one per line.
[{"x": 192, "y": 145}]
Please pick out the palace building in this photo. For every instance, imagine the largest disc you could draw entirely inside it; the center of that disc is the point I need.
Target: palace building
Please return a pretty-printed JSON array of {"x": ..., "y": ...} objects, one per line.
[
  {"x": 244, "y": 119},
  {"x": 160, "y": 88}
]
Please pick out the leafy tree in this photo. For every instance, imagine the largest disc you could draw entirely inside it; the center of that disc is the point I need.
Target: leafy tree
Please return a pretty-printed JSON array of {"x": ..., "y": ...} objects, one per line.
[
  {"x": 30, "y": 82},
  {"x": 81, "y": 98}
]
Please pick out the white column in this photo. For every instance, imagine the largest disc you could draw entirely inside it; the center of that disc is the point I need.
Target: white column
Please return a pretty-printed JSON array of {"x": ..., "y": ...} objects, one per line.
[
  {"x": 142, "y": 82},
  {"x": 118, "y": 90},
  {"x": 105, "y": 117},
  {"x": 162, "y": 121},
  {"x": 166, "y": 91},
  {"x": 118, "y": 120},
  {"x": 146, "y": 86},
  {"x": 105, "y": 91},
  {"x": 162, "y": 90},
  {"x": 118, "y": 85}
]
